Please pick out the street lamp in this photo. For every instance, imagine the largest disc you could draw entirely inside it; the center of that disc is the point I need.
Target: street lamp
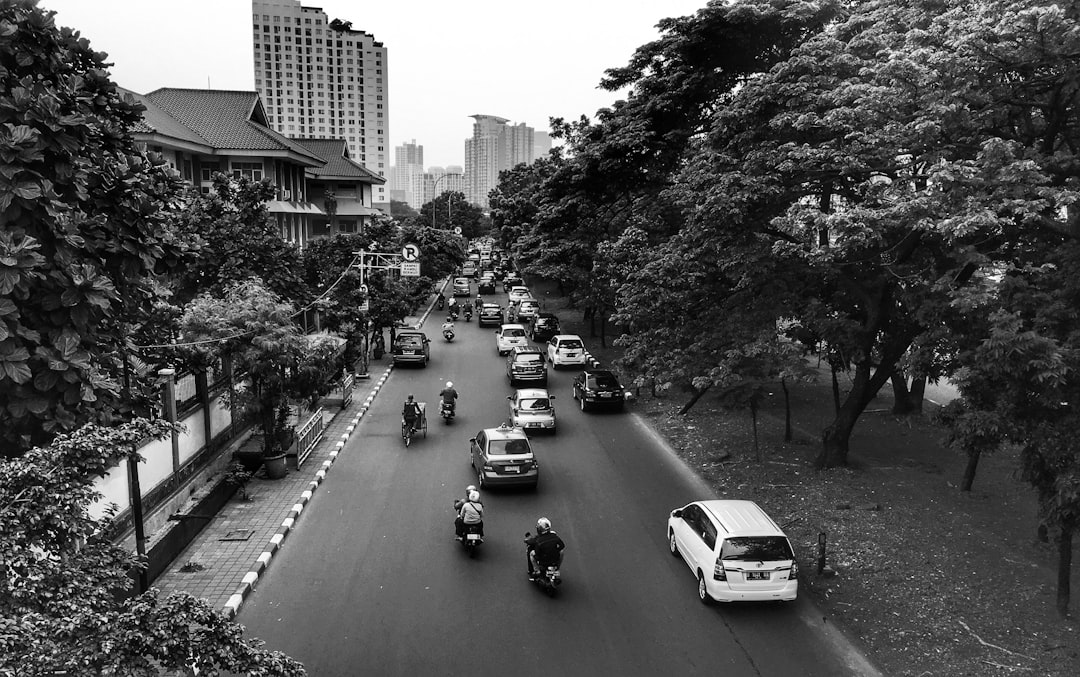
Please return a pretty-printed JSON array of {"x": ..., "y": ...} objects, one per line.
[{"x": 435, "y": 194}]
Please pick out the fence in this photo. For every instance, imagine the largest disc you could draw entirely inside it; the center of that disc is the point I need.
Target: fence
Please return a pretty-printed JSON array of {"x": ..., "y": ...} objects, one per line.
[{"x": 308, "y": 435}]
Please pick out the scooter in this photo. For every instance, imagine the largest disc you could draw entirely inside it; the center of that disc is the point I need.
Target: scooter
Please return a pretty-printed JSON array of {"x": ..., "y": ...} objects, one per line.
[
  {"x": 471, "y": 539},
  {"x": 448, "y": 334},
  {"x": 447, "y": 412},
  {"x": 441, "y": 303},
  {"x": 453, "y": 312},
  {"x": 468, "y": 313},
  {"x": 549, "y": 578}
]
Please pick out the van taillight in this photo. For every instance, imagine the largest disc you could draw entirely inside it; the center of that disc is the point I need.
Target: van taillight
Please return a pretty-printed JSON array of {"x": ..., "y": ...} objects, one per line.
[
  {"x": 718, "y": 572},
  {"x": 794, "y": 571}
]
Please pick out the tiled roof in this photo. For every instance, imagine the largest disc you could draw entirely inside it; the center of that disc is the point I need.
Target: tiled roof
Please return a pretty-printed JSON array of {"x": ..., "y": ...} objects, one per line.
[
  {"x": 155, "y": 120},
  {"x": 225, "y": 119},
  {"x": 338, "y": 164}
]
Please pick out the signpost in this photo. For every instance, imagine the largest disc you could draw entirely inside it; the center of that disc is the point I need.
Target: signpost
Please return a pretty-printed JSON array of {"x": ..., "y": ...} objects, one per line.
[
  {"x": 410, "y": 269},
  {"x": 410, "y": 252}
]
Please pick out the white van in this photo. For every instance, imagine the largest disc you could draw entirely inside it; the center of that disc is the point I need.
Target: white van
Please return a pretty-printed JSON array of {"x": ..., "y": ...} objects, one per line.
[{"x": 735, "y": 550}]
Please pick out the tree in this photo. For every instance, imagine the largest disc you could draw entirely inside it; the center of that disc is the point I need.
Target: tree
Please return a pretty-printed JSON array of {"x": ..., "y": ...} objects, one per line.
[
  {"x": 85, "y": 233},
  {"x": 450, "y": 209},
  {"x": 60, "y": 609},
  {"x": 402, "y": 210}
]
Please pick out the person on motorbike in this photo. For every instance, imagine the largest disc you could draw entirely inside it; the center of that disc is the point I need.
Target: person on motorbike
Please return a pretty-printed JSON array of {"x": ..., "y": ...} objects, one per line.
[
  {"x": 449, "y": 324},
  {"x": 410, "y": 413},
  {"x": 470, "y": 513},
  {"x": 545, "y": 548},
  {"x": 478, "y": 302},
  {"x": 441, "y": 301},
  {"x": 449, "y": 395}
]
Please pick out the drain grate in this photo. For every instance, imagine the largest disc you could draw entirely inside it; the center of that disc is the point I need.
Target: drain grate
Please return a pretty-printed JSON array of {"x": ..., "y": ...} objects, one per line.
[{"x": 237, "y": 535}]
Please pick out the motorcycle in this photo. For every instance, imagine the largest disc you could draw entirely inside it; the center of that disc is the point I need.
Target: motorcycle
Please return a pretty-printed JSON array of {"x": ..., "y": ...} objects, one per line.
[
  {"x": 549, "y": 578},
  {"x": 441, "y": 302},
  {"x": 471, "y": 539},
  {"x": 468, "y": 313},
  {"x": 448, "y": 334},
  {"x": 453, "y": 312},
  {"x": 447, "y": 412}
]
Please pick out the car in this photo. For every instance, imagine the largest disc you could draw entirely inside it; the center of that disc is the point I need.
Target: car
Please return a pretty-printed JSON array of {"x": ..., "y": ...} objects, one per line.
[
  {"x": 462, "y": 286},
  {"x": 509, "y": 335},
  {"x": 527, "y": 309},
  {"x": 598, "y": 387},
  {"x": 543, "y": 326},
  {"x": 490, "y": 314},
  {"x": 735, "y": 550},
  {"x": 532, "y": 409},
  {"x": 411, "y": 347},
  {"x": 518, "y": 293},
  {"x": 566, "y": 349},
  {"x": 526, "y": 363},
  {"x": 486, "y": 285},
  {"x": 504, "y": 456},
  {"x": 511, "y": 281},
  {"x": 469, "y": 269}
]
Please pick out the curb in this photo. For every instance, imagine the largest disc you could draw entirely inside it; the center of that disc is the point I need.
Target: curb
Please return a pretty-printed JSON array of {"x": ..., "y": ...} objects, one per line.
[{"x": 247, "y": 584}]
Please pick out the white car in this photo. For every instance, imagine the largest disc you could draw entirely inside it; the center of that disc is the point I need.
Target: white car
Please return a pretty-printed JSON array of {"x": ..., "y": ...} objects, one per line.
[
  {"x": 518, "y": 294},
  {"x": 532, "y": 409},
  {"x": 509, "y": 335},
  {"x": 736, "y": 551},
  {"x": 566, "y": 349}
]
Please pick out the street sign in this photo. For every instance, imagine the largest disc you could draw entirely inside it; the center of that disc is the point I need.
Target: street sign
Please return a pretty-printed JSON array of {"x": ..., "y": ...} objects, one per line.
[
  {"x": 365, "y": 306},
  {"x": 410, "y": 269},
  {"x": 457, "y": 230},
  {"x": 410, "y": 252},
  {"x": 363, "y": 289}
]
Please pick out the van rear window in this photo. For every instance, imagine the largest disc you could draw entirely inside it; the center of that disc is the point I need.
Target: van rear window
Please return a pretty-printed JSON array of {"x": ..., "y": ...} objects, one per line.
[{"x": 756, "y": 548}]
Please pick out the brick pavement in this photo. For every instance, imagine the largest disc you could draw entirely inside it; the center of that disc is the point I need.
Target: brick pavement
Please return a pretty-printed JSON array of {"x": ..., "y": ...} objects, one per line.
[{"x": 224, "y": 571}]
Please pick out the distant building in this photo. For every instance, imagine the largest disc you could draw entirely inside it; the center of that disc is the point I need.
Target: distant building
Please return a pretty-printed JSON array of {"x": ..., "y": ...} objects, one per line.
[
  {"x": 438, "y": 181},
  {"x": 319, "y": 78},
  {"x": 408, "y": 173},
  {"x": 541, "y": 144},
  {"x": 495, "y": 146}
]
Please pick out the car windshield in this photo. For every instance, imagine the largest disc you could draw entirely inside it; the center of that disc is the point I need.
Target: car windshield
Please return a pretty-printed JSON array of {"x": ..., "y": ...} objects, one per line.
[
  {"x": 533, "y": 404},
  {"x": 546, "y": 322},
  {"x": 756, "y": 548},
  {"x": 513, "y": 333},
  {"x": 529, "y": 357},
  {"x": 508, "y": 447},
  {"x": 409, "y": 341},
  {"x": 605, "y": 381},
  {"x": 528, "y": 304},
  {"x": 570, "y": 344}
]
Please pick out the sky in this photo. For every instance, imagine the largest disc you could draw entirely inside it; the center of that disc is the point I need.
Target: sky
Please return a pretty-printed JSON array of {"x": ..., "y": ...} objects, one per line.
[{"x": 523, "y": 60}]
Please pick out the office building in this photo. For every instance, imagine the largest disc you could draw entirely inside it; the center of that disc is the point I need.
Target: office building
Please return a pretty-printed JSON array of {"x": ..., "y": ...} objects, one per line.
[
  {"x": 438, "y": 180},
  {"x": 494, "y": 147},
  {"x": 320, "y": 78},
  {"x": 541, "y": 144},
  {"x": 407, "y": 173}
]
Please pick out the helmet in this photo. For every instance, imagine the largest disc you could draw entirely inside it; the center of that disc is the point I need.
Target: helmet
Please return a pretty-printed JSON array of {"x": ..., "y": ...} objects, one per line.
[
  {"x": 474, "y": 496},
  {"x": 410, "y": 397},
  {"x": 543, "y": 525},
  {"x": 469, "y": 489},
  {"x": 449, "y": 384}
]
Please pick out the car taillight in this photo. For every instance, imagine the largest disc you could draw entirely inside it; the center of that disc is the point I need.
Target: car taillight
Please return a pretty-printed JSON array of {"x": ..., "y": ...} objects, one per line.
[
  {"x": 794, "y": 571},
  {"x": 718, "y": 572}
]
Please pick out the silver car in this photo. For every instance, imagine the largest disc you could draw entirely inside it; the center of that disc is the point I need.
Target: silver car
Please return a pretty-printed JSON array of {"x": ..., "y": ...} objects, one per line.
[{"x": 531, "y": 409}]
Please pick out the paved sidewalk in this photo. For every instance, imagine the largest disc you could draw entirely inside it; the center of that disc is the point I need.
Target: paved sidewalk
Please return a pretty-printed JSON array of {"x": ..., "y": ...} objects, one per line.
[{"x": 225, "y": 560}]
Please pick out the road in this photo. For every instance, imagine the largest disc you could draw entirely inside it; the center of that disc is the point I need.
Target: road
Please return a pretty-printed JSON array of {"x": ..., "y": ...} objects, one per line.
[{"x": 372, "y": 582}]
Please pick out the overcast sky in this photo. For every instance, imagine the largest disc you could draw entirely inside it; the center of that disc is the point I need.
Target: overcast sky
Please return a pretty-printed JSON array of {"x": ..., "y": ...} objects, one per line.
[{"x": 521, "y": 60}]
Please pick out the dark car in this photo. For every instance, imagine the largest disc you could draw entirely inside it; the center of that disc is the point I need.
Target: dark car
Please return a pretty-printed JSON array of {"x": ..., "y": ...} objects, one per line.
[
  {"x": 486, "y": 285},
  {"x": 544, "y": 326},
  {"x": 411, "y": 347},
  {"x": 598, "y": 387},
  {"x": 526, "y": 364},
  {"x": 512, "y": 281},
  {"x": 490, "y": 315}
]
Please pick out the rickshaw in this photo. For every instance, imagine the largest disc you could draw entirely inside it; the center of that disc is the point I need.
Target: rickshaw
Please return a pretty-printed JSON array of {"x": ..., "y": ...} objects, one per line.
[{"x": 421, "y": 425}]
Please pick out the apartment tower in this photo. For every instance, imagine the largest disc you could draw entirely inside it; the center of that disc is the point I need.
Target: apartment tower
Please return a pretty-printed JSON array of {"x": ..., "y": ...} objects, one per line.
[
  {"x": 408, "y": 172},
  {"x": 320, "y": 79}
]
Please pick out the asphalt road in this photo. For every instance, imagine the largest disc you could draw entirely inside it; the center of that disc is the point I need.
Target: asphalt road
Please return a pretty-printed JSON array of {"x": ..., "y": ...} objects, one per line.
[{"x": 372, "y": 582}]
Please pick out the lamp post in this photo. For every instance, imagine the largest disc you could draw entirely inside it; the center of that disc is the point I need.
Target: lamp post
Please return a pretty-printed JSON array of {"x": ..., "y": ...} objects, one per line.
[{"x": 435, "y": 195}]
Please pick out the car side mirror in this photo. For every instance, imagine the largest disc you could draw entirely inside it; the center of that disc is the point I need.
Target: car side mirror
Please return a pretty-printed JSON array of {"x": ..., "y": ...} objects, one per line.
[
  {"x": 551, "y": 397},
  {"x": 676, "y": 513},
  {"x": 509, "y": 397}
]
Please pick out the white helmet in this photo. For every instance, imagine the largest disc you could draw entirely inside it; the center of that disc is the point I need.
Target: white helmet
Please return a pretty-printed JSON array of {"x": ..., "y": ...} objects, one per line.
[
  {"x": 449, "y": 384},
  {"x": 543, "y": 525},
  {"x": 469, "y": 489},
  {"x": 474, "y": 496}
]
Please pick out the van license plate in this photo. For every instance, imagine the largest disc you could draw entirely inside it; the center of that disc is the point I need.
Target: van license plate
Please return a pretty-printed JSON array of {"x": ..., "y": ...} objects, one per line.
[
  {"x": 757, "y": 575},
  {"x": 511, "y": 468}
]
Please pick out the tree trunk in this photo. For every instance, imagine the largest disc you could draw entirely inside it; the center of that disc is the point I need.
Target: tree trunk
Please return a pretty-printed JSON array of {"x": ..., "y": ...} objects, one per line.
[
  {"x": 835, "y": 437},
  {"x": 901, "y": 396},
  {"x": 787, "y": 411},
  {"x": 693, "y": 400},
  {"x": 1065, "y": 546},
  {"x": 969, "y": 471},
  {"x": 835, "y": 391},
  {"x": 917, "y": 393},
  {"x": 753, "y": 417},
  {"x": 603, "y": 332}
]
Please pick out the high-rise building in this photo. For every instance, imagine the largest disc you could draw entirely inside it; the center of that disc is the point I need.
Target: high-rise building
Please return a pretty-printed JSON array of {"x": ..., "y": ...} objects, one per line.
[
  {"x": 320, "y": 78},
  {"x": 494, "y": 147},
  {"x": 521, "y": 144},
  {"x": 541, "y": 144},
  {"x": 438, "y": 181},
  {"x": 408, "y": 170}
]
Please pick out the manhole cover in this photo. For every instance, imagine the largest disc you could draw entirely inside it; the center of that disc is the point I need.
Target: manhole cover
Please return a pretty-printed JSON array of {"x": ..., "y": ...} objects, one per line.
[{"x": 237, "y": 535}]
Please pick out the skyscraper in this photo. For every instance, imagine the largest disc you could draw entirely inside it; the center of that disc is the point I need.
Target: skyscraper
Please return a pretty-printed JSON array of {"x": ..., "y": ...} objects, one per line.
[
  {"x": 494, "y": 147},
  {"x": 319, "y": 78},
  {"x": 408, "y": 170}
]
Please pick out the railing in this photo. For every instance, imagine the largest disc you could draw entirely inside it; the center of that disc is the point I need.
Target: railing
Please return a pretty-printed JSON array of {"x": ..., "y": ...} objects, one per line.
[
  {"x": 348, "y": 382},
  {"x": 308, "y": 435}
]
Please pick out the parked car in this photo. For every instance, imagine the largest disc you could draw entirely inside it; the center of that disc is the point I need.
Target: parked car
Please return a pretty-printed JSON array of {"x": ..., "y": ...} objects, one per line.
[
  {"x": 462, "y": 286},
  {"x": 526, "y": 363},
  {"x": 598, "y": 387},
  {"x": 735, "y": 550},
  {"x": 565, "y": 349},
  {"x": 518, "y": 293},
  {"x": 411, "y": 347},
  {"x": 490, "y": 314},
  {"x": 503, "y": 455},
  {"x": 527, "y": 309},
  {"x": 509, "y": 335},
  {"x": 511, "y": 281},
  {"x": 543, "y": 326},
  {"x": 532, "y": 409}
]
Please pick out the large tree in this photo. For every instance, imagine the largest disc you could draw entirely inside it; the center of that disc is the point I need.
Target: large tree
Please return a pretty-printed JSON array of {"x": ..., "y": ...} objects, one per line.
[{"x": 85, "y": 231}]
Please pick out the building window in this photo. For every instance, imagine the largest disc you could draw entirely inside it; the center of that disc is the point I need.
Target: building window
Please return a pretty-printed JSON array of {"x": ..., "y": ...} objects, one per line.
[{"x": 248, "y": 170}]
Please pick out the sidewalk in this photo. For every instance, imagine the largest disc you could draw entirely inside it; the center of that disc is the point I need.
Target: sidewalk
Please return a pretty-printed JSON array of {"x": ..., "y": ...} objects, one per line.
[{"x": 225, "y": 561}]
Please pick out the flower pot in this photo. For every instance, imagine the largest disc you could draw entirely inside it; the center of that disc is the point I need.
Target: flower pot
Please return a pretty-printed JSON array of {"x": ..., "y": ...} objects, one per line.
[
  {"x": 275, "y": 466},
  {"x": 251, "y": 458}
]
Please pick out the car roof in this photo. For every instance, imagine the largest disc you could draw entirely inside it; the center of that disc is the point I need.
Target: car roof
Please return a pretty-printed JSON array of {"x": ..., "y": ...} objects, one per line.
[
  {"x": 546, "y": 316},
  {"x": 513, "y": 326},
  {"x": 528, "y": 349},
  {"x": 504, "y": 432},
  {"x": 519, "y": 286},
  {"x": 531, "y": 392},
  {"x": 529, "y": 300},
  {"x": 598, "y": 372},
  {"x": 565, "y": 336},
  {"x": 741, "y": 518},
  {"x": 496, "y": 306}
]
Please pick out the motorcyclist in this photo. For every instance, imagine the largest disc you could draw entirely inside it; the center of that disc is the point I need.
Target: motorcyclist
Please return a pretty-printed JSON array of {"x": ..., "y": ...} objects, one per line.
[
  {"x": 468, "y": 311},
  {"x": 478, "y": 302},
  {"x": 449, "y": 395},
  {"x": 449, "y": 324},
  {"x": 411, "y": 413},
  {"x": 545, "y": 548},
  {"x": 441, "y": 301},
  {"x": 470, "y": 512}
]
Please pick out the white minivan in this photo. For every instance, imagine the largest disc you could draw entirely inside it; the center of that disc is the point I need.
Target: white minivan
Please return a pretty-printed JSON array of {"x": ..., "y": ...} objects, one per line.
[{"x": 735, "y": 550}]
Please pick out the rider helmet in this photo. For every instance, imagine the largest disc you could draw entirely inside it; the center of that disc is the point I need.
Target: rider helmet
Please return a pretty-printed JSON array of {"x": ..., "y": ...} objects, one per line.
[
  {"x": 449, "y": 384},
  {"x": 469, "y": 489},
  {"x": 543, "y": 525},
  {"x": 410, "y": 398},
  {"x": 474, "y": 496}
]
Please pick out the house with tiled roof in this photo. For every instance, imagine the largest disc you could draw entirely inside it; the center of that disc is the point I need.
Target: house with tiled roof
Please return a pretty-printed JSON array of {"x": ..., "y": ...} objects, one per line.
[{"x": 201, "y": 132}]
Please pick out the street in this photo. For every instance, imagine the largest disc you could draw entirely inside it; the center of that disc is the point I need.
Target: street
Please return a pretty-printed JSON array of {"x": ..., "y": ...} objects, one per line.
[{"x": 373, "y": 582}]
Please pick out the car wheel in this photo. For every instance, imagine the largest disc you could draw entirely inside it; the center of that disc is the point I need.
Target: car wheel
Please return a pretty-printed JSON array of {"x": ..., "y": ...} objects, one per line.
[
  {"x": 480, "y": 478},
  {"x": 702, "y": 591},
  {"x": 582, "y": 403},
  {"x": 671, "y": 544}
]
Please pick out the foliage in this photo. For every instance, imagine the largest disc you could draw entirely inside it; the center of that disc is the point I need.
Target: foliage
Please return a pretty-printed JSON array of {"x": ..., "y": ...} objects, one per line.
[
  {"x": 59, "y": 609},
  {"x": 85, "y": 231},
  {"x": 441, "y": 251},
  {"x": 402, "y": 210},
  {"x": 451, "y": 209}
]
